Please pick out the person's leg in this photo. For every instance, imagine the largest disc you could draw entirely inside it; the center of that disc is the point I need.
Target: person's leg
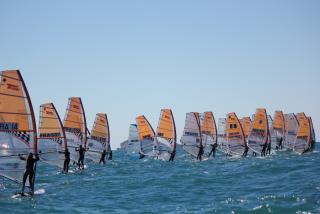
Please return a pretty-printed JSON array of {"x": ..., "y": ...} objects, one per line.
[
  {"x": 25, "y": 175},
  {"x": 31, "y": 179}
]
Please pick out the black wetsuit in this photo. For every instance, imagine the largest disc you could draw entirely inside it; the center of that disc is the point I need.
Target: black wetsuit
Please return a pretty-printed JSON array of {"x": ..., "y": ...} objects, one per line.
[
  {"x": 103, "y": 157},
  {"x": 81, "y": 157},
  {"x": 66, "y": 161},
  {"x": 213, "y": 150},
  {"x": 141, "y": 155},
  {"x": 199, "y": 157},
  {"x": 110, "y": 155},
  {"x": 245, "y": 153},
  {"x": 263, "y": 151},
  {"x": 29, "y": 172},
  {"x": 269, "y": 149},
  {"x": 172, "y": 155}
]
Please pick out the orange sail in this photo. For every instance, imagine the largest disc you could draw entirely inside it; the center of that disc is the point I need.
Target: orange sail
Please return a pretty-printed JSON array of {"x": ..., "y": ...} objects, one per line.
[
  {"x": 166, "y": 135},
  {"x": 209, "y": 134},
  {"x": 52, "y": 141},
  {"x": 278, "y": 129},
  {"x": 99, "y": 138},
  {"x": 236, "y": 142},
  {"x": 146, "y": 136},
  {"x": 18, "y": 133},
  {"x": 75, "y": 126},
  {"x": 303, "y": 140},
  {"x": 246, "y": 124}
]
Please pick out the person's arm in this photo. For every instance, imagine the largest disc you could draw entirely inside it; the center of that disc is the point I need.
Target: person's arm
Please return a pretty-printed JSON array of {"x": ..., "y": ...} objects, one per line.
[{"x": 37, "y": 158}]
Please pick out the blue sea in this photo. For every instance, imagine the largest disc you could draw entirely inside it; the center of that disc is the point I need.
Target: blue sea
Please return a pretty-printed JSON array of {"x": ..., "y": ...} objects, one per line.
[{"x": 280, "y": 183}]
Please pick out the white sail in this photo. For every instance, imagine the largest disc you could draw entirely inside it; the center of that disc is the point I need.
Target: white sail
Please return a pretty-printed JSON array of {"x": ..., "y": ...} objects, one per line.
[
  {"x": 292, "y": 125},
  {"x": 133, "y": 144},
  {"x": 191, "y": 139},
  {"x": 222, "y": 135}
]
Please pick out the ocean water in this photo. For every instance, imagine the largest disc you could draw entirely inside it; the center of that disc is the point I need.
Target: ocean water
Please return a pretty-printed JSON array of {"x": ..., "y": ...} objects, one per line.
[{"x": 280, "y": 183}]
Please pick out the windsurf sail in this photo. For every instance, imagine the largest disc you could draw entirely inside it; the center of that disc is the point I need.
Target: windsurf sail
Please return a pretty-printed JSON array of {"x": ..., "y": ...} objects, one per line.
[
  {"x": 246, "y": 124},
  {"x": 313, "y": 135},
  {"x": 18, "y": 133},
  {"x": 99, "y": 140},
  {"x": 52, "y": 141},
  {"x": 75, "y": 126},
  {"x": 292, "y": 125},
  {"x": 191, "y": 139},
  {"x": 166, "y": 137},
  {"x": 303, "y": 141},
  {"x": 236, "y": 142},
  {"x": 146, "y": 136},
  {"x": 209, "y": 134},
  {"x": 133, "y": 144},
  {"x": 259, "y": 136},
  {"x": 278, "y": 130},
  {"x": 222, "y": 135}
]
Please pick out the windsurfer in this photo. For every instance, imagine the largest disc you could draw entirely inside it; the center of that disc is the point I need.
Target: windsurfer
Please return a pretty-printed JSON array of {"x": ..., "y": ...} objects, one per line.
[{"x": 29, "y": 172}]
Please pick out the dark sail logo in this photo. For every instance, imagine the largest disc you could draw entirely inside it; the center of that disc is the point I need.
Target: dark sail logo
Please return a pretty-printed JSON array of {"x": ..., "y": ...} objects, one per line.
[
  {"x": 8, "y": 126},
  {"x": 12, "y": 87},
  {"x": 75, "y": 106}
]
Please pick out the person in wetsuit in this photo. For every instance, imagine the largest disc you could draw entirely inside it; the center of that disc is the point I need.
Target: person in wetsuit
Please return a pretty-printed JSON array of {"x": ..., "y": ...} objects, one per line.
[
  {"x": 141, "y": 154},
  {"x": 245, "y": 153},
  {"x": 172, "y": 155},
  {"x": 263, "y": 151},
  {"x": 103, "y": 157},
  {"x": 66, "y": 161},
  {"x": 110, "y": 155},
  {"x": 213, "y": 150},
  {"x": 269, "y": 149},
  {"x": 81, "y": 151},
  {"x": 201, "y": 151},
  {"x": 29, "y": 172}
]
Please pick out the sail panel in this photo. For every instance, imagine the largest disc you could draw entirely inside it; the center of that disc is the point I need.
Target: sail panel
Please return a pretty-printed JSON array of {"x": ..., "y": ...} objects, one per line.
[
  {"x": 222, "y": 135},
  {"x": 246, "y": 124}
]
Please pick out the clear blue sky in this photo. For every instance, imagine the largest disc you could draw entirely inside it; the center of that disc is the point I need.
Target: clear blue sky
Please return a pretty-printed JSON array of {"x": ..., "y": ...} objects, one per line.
[{"x": 130, "y": 57}]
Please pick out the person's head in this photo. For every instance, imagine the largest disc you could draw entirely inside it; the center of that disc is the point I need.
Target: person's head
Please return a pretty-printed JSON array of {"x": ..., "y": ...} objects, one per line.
[
  {"x": 80, "y": 146},
  {"x": 30, "y": 155},
  {"x": 104, "y": 150},
  {"x": 67, "y": 150}
]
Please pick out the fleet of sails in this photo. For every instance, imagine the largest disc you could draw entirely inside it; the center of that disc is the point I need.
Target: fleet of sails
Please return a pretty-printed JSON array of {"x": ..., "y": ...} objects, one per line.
[{"x": 202, "y": 137}]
